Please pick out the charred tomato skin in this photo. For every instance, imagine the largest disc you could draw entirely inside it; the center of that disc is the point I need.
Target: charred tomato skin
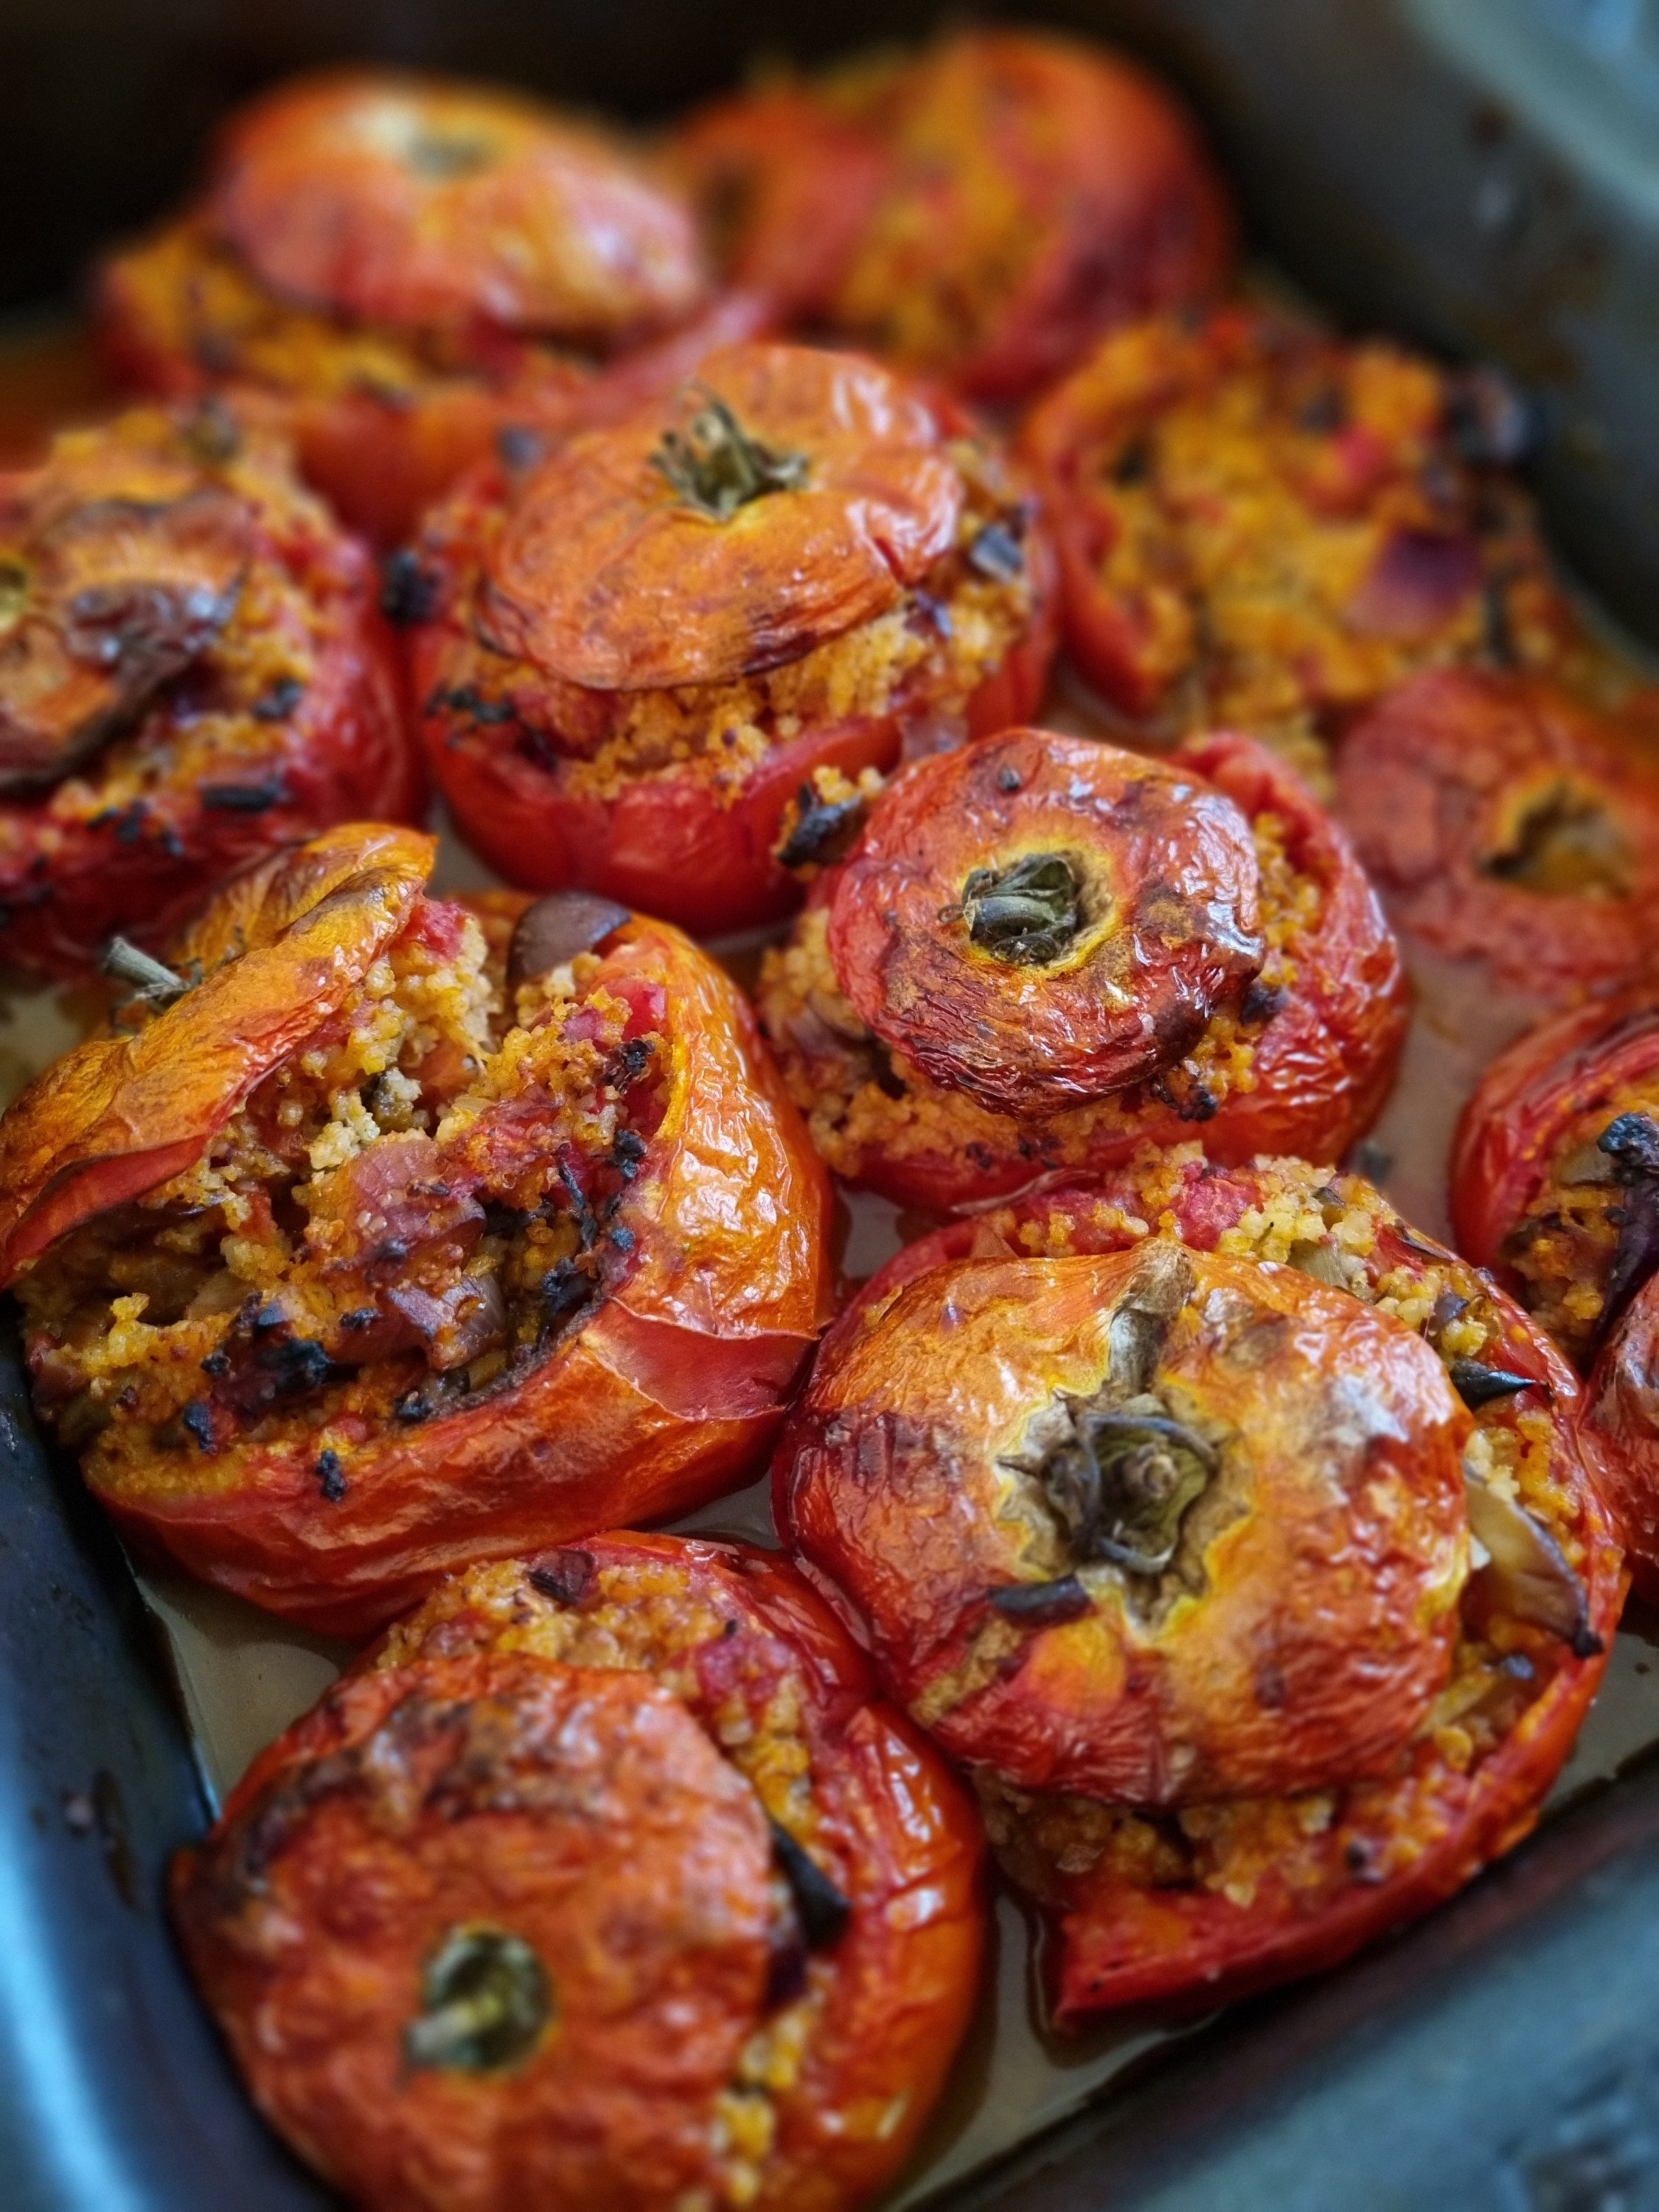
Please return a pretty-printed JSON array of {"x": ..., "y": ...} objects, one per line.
[
  {"x": 404, "y": 268},
  {"x": 550, "y": 1802},
  {"x": 1325, "y": 1058},
  {"x": 1398, "y": 1845},
  {"x": 536, "y": 558},
  {"x": 894, "y": 1832},
  {"x": 1507, "y": 827},
  {"x": 655, "y": 1396},
  {"x": 283, "y": 715}
]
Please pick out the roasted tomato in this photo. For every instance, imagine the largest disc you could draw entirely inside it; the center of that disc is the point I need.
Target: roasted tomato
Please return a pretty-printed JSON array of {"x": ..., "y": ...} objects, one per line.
[
  {"x": 1263, "y": 524},
  {"x": 1555, "y": 1186},
  {"x": 645, "y": 653},
  {"x": 981, "y": 213},
  {"x": 1257, "y": 1639},
  {"x": 387, "y": 1237},
  {"x": 1508, "y": 828},
  {"x": 193, "y": 672},
  {"x": 406, "y": 264},
  {"x": 1044, "y": 952},
  {"x": 603, "y": 1882}
]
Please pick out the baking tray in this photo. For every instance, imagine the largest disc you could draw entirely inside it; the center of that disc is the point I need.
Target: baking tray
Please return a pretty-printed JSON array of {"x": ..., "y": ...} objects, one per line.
[{"x": 1505, "y": 2053}]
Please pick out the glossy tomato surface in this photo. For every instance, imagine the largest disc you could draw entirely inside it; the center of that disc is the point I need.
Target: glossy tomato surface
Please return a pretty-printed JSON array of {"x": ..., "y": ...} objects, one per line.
[
  {"x": 410, "y": 1236},
  {"x": 1028, "y": 1468},
  {"x": 1260, "y": 524},
  {"x": 1044, "y": 951},
  {"x": 722, "y": 1910},
  {"x": 404, "y": 267},
  {"x": 1509, "y": 828},
  {"x": 641, "y": 652},
  {"x": 980, "y": 211},
  {"x": 196, "y": 672}
]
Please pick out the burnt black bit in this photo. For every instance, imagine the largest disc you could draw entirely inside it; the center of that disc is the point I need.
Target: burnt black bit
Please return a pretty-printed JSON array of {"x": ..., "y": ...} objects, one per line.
[
  {"x": 1491, "y": 424},
  {"x": 217, "y": 1363},
  {"x": 1497, "y": 631},
  {"x": 822, "y": 829},
  {"x": 1262, "y": 1002},
  {"x": 1324, "y": 411},
  {"x": 550, "y": 933},
  {"x": 390, "y": 1252},
  {"x": 1188, "y": 1098},
  {"x": 1010, "y": 779},
  {"x": 408, "y": 593},
  {"x": 279, "y": 702},
  {"x": 1360, "y": 1859},
  {"x": 1371, "y": 1160},
  {"x": 467, "y": 701},
  {"x": 413, "y": 1406},
  {"x": 212, "y": 433},
  {"x": 934, "y": 613},
  {"x": 997, "y": 553},
  {"x": 518, "y": 447},
  {"x": 1585, "y": 1644},
  {"x": 331, "y": 1479},
  {"x": 197, "y": 1419},
  {"x": 1446, "y": 1310},
  {"x": 1630, "y": 1141},
  {"x": 824, "y": 1909},
  {"x": 566, "y": 1575},
  {"x": 1042, "y": 1604},
  {"x": 1477, "y": 1385},
  {"x": 1518, "y": 1665},
  {"x": 623, "y": 1239},
  {"x": 627, "y": 1153},
  {"x": 244, "y": 798},
  {"x": 786, "y": 1961},
  {"x": 1027, "y": 913},
  {"x": 587, "y": 1226},
  {"x": 626, "y": 1064},
  {"x": 565, "y": 1287},
  {"x": 1134, "y": 465},
  {"x": 130, "y": 822},
  {"x": 360, "y": 1317}
]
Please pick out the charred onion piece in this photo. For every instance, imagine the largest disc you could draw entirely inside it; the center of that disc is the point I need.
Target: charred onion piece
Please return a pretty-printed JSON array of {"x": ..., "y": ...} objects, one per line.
[
  {"x": 552, "y": 931},
  {"x": 1527, "y": 1574}
]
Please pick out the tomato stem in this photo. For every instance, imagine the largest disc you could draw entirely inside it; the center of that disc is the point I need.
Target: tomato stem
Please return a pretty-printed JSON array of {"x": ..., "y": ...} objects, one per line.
[{"x": 717, "y": 466}]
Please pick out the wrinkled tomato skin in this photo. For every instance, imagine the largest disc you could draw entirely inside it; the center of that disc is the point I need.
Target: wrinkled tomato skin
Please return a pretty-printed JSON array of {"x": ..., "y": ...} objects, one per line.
[
  {"x": 1525, "y": 1104},
  {"x": 907, "y": 1971},
  {"x": 901, "y": 1835},
  {"x": 1124, "y": 1944},
  {"x": 677, "y": 1380},
  {"x": 676, "y": 1384},
  {"x": 1434, "y": 779},
  {"x": 75, "y": 868},
  {"x": 1325, "y": 1063},
  {"x": 670, "y": 842}
]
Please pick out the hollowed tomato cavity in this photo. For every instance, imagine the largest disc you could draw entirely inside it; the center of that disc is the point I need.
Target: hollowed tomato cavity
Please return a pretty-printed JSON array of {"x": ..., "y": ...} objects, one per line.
[
  {"x": 405, "y": 1214},
  {"x": 1040, "y": 921}
]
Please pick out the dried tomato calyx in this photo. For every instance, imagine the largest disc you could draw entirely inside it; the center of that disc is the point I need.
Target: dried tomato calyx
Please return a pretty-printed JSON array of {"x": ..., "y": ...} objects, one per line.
[
  {"x": 1028, "y": 913},
  {"x": 486, "y": 2004},
  {"x": 1563, "y": 841},
  {"x": 717, "y": 466},
  {"x": 152, "y": 983},
  {"x": 1121, "y": 1483}
]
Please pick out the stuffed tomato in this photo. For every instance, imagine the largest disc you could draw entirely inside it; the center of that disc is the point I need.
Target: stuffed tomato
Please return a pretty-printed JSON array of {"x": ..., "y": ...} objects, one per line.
[
  {"x": 380, "y": 1235},
  {"x": 673, "y": 1911},
  {"x": 402, "y": 265},
  {"x": 1510, "y": 831},
  {"x": 1043, "y": 952},
  {"x": 1555, "y": 1186},
  {"x": 1244, "y": 1543},
  {"x": 193, "y": 672},
  {"x": 1261, "y": 523},
  {"x": 980, "y": 212},
  {"x": 649, "y": 661}
]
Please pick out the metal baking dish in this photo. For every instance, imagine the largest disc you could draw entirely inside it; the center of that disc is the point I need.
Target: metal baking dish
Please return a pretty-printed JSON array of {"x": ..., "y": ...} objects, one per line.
[{"x": 1482, "y": 174}]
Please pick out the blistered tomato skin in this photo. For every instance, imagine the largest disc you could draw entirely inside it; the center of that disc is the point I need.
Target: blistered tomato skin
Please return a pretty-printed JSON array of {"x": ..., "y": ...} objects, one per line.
[
  {"x": 646, "y": 1756},
  {"x": 1260, "y": 525},
  {"x": 194, "y": 673},
  {"x": 1624, "y": 1419},
  {"x": 980, "y": 212},
  {"x": 1044, "y": 952},
  {"x": 1016, "y": 1521},
  {"x": 1507, "y": 827},
  {"x": 560, "y": 1264},
  {"x": 642, "y": 655},
  {"x": 402, "y": 269}
]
